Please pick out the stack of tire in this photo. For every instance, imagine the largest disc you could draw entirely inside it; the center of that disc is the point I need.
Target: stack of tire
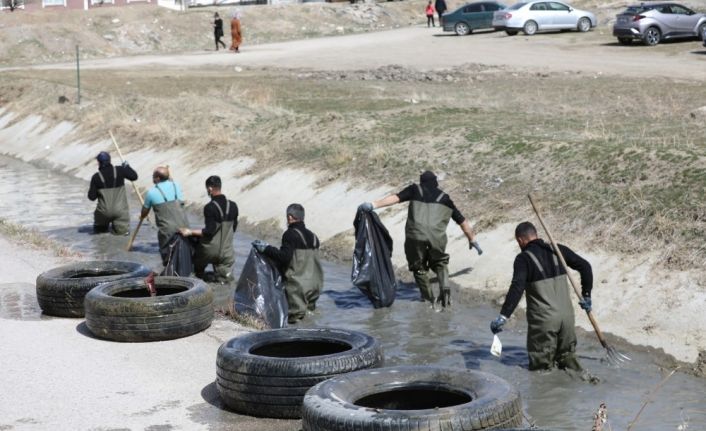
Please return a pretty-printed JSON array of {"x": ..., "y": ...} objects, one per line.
[
  {"x": 267, "y": 374},
  {"x": 61, "y": 291}
]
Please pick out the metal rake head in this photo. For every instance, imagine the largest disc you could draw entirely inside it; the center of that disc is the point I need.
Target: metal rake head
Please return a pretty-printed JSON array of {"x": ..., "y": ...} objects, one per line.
[{"x": 615, "y": 357}]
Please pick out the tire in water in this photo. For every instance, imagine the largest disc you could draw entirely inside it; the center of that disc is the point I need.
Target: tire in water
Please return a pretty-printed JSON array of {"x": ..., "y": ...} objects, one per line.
[
  {"x": 412, "y": 398},
  {"x": 266, "y": 374},
  {"x": 124, "y": 310},
  {"x": 61, "y": 291}
]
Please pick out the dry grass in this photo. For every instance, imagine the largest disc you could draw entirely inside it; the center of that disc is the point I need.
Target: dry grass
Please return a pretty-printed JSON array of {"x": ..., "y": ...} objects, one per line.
[
  {"x": 34, "y": 239},
  {"x": 247, "y": 320}
]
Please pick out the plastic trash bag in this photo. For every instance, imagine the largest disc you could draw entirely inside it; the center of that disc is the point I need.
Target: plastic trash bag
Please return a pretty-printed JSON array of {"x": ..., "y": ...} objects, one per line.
[
  {"x": 372, "y": 269},
  {"x": 260, "y": 292},
  {"x": 178, "y": 262},
  {"x": 496, "y": 349}
]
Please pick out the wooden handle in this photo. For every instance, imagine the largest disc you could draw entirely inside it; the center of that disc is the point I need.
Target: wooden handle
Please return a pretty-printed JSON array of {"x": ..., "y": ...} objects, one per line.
[
  {"x": 573, "y": 282},
  {"x": 134, "y": 235},
  {"x": 137, "y": 191}
]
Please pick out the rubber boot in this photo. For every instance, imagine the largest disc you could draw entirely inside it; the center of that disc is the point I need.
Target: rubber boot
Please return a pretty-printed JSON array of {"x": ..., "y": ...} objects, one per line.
[{"x": 446, "y": 298}]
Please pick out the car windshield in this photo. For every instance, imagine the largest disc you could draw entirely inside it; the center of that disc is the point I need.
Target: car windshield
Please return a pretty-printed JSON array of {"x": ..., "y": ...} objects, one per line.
[
  {"x": 517, "y": 6},
  {"x": 636, "y": 10}
]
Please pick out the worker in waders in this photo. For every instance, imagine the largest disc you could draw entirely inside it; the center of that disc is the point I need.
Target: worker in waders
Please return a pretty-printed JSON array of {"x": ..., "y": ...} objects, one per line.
[
  {"x": 168, "y": 202},
  {"x": 215, "y": 244},
  {"x": 108, "y": 187},
  {"x": 298, "y": 260},
  {"x": 429, "y": 213},
  {"x": 551, "y": 339}
]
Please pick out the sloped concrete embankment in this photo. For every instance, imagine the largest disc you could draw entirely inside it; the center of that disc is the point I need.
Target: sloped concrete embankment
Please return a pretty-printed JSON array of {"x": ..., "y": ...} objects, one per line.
[{"x": 634, "y": 298}]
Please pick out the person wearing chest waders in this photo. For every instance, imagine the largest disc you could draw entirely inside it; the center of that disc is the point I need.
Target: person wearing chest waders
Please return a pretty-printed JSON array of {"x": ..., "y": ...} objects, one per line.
[
  {"x": 298, "y": 260},
  {"x": 215, "y": 244},
  {"x": 551, "y": 339},
  {"x": 108, "y": 187},
  {"x": 428, "y": 215},
  {"x": 168, "y": 203}
]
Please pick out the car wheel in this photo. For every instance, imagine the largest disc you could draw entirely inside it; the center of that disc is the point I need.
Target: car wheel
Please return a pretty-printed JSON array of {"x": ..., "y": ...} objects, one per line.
[
  {"x": 652, "y": 36},
  {"x": 702, "y": 32},
  {"x": 462, "y": 29},
  {"x": 625, "y": 40},
  {"x": 511, "y": 32},
  {"x": 529, "y": 28},
  {"x": 584, "y": 25}
]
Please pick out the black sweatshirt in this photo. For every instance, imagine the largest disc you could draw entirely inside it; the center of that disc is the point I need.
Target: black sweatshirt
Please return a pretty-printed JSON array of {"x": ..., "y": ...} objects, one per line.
[
  {"x": 525, "y": 271},
  {"x": 291, "y": 241},
  {"x": 411, "y": 193},
  {"x": 123, "y": 173},
  {"x": 212, "y": 216}
]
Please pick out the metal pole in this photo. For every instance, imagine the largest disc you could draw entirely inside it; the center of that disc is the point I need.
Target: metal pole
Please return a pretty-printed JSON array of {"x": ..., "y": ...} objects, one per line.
[{"x": 78, "y": 77}]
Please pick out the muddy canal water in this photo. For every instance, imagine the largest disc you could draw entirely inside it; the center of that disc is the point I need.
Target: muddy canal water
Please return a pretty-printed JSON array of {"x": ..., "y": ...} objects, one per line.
[{"x": 410, "y": 331}]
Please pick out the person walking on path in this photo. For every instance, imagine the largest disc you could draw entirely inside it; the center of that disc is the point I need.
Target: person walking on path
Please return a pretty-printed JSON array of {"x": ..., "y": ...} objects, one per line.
[
  {"x": 236, "y": 33},
  {"x": 215, "y": 244},
  {"x": 168, "y": 202},
  {"x": 429, "y": 213},
  {"x": 430, "y": 14},
  {"x": 218, "y": 30},
  {"x": 440, "y": 6},
  {"x": 298, "y": 260},
  {"x": 551, "y": 339},
  {"x": 108, "y": 187}
]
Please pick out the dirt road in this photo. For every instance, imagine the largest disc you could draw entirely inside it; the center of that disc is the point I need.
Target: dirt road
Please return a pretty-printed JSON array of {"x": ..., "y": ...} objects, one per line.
[{"x": 422, "y": 48}]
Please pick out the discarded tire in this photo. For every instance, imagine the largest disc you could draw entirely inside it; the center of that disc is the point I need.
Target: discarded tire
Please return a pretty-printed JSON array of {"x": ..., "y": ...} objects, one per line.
[
  {"x": 266, "y": 374},
  {"x": 124, "y": 310},
  {"x": 61, "y": 291},
  {"x": 412, "y": 398}
]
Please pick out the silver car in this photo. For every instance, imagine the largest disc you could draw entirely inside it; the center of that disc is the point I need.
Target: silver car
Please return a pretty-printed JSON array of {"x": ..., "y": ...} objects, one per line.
[
  {"x": 655, "y": 22},
  {"x": 534, "y": 16}
]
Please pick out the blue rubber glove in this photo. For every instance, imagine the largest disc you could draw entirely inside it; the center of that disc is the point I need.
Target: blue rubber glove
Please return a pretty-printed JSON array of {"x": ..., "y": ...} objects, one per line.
[
  {"x": 497, "y": 324},
  {"x": 260, "y": 245},
  {"x": 585, "y": 303},
  {"x": 125, "y": 164},
  {"x": 474, "y": 244},
  {"x": 366, "y": 206}
]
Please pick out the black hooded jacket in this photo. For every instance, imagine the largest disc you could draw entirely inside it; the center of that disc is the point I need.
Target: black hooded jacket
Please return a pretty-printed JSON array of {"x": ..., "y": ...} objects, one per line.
[{"x": 526, "y": 272}]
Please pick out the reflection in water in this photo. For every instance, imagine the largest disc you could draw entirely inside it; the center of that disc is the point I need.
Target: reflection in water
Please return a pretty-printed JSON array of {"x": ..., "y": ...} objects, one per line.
[{"x": 410, "y": 331}]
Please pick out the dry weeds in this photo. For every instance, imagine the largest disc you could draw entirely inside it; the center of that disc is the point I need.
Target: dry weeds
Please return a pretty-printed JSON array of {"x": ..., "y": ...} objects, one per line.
[{"x": 34, "y": 239}]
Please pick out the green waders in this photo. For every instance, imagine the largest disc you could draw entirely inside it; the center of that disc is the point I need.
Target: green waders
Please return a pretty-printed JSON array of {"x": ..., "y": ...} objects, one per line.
[
  {"x": 550, "y": 323},
  {"x": 112, "y": 208},
  {"x": 425, "y": 245},
  {"x": 304, "y": 280},
  {"x": 169, "y": 216},
  {"x": 217, "y": 250}
]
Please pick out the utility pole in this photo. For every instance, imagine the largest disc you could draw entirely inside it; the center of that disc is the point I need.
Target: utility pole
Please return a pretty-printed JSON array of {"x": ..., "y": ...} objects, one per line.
[{"x": 78, "y": 77}]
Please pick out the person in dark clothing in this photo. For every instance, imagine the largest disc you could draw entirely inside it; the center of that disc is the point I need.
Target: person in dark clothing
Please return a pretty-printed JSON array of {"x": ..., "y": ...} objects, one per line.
[
  {"x": 551, "y": 339},
  {"x": 108, "y": 187},
  {"x": 440, "y": 6},
  {"x": 298, "y": 261},
  {"x": 430, "y": 210},
  {"x": 218, "y": 30},
  {"x": 215, "y": 244}
]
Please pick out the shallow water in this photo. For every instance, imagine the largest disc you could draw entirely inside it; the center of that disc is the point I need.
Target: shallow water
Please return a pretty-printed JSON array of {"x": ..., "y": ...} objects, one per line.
[{"x": 410, "y": 332}]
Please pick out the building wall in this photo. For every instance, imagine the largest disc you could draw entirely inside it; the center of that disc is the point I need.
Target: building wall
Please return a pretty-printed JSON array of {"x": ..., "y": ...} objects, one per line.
[{"x": 31, "y": 5}]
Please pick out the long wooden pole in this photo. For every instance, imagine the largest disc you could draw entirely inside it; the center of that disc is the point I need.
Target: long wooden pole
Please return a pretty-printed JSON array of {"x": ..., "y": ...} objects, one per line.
[
  {"x": 137, "y": 192},
  {"x": 574, "y": 284}
]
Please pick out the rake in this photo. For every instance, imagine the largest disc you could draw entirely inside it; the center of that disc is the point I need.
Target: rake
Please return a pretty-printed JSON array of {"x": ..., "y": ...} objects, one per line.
[{"x": 614, "y": 357}]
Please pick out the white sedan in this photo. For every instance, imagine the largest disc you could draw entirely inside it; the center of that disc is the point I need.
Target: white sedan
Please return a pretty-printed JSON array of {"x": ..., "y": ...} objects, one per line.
[{"x": 534, "y": 16}]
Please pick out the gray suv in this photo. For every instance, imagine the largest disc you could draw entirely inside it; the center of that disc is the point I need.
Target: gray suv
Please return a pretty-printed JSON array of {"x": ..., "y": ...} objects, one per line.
[{"x": 655, "y": 22}]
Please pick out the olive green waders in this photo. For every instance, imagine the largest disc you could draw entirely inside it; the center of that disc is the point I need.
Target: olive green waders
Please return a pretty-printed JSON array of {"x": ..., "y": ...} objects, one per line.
[
  {"x": 170, "y": 217},
  {"x": 112, "y": 208},
  {"x": 425, "y": 245},
  {"x": 217, "y": 250},
  {"x": 304, "y": 280},
  {"x": 551, "y": 338}
]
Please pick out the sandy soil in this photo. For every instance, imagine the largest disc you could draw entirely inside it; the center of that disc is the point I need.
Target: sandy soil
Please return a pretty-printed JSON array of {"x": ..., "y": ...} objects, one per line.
[{"x": 594, "y": 52}]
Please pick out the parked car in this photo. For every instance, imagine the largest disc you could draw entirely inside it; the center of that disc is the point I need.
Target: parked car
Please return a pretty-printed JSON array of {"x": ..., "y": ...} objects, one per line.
[
  {"x": 653, "y": 23},
  {"x": 473, "y": 16},
  {"x": 534, "y": 16}
]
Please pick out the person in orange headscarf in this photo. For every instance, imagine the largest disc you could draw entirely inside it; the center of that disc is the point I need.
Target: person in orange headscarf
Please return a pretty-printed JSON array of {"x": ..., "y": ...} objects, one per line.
[{"x": 235, "y": 31}]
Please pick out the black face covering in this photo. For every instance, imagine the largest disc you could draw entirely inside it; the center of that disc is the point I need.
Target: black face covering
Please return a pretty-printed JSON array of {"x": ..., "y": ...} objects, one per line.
[{"x": 428, "y": 180}]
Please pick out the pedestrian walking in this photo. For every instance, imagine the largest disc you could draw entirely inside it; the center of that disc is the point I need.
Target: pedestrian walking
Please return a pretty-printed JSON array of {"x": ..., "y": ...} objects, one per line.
[
  {"x": 551, "y": 339},
  {"x": 440, "y": 6},
  {"x": 236, "y": 32},
  {"x": 218, "y": 30},
  {"x": 428, "y": 215},
  {"x": 430, "y": 14}
]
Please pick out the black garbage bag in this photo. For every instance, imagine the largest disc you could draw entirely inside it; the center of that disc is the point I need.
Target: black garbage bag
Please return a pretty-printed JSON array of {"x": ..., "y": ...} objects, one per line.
[
  {"x": 178, "y": 252},
  {"x": 372, "y": 270},
  {"x": 260, "y": 292}
]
